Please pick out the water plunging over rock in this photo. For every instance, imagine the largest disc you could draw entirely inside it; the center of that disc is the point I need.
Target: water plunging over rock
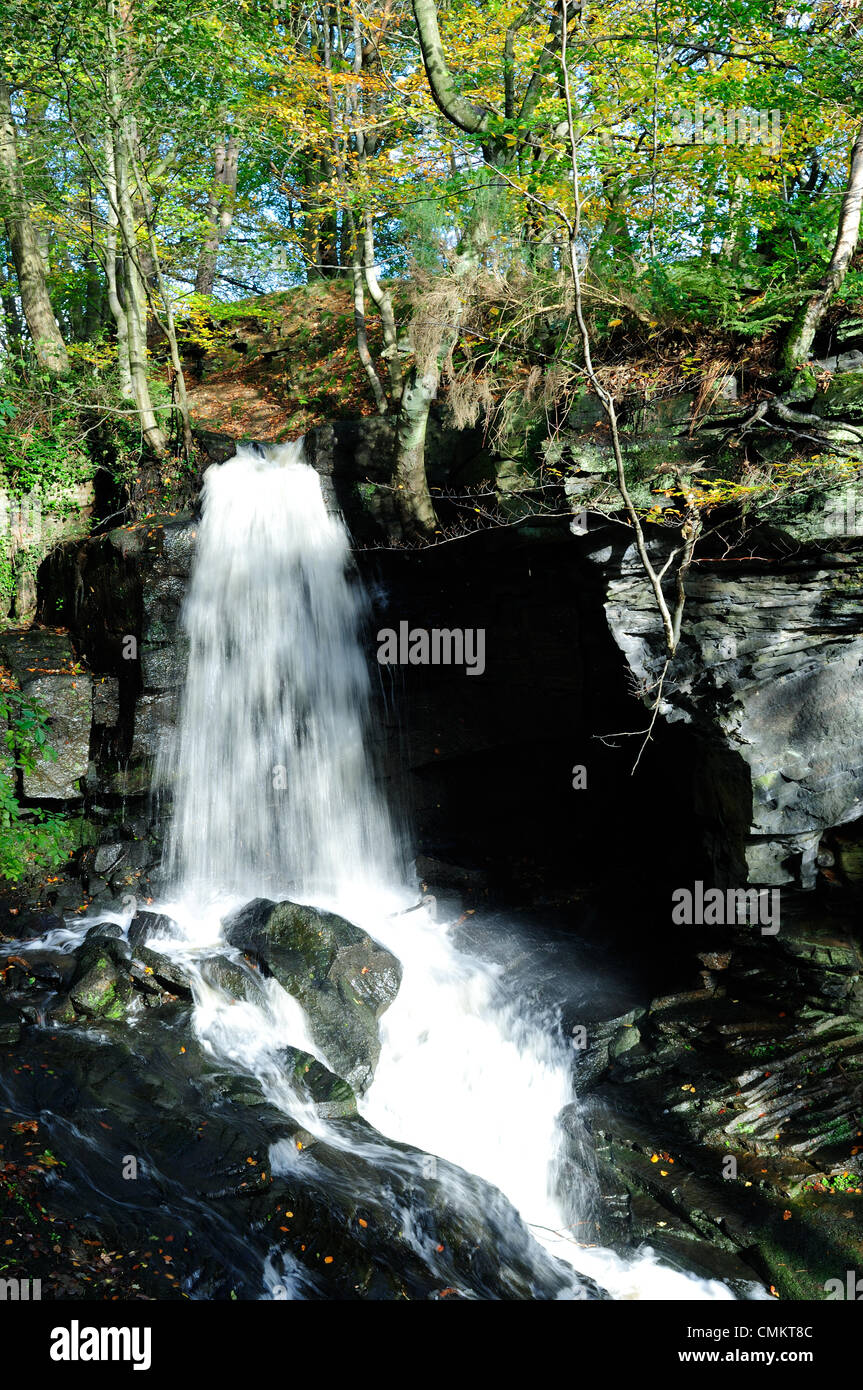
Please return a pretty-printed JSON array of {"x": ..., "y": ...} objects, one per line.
[
  {"x": 269, "y": 767},
  {"x": 342, "y": 978}
]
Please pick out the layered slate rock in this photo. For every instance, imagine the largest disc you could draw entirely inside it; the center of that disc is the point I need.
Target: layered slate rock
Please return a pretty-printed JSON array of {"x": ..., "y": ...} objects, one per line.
[
  {"x": 123, "y": 592},
  {"x": 727, "y": 1132},
  {"x": 768, "y": 672},
  {"x": 343, "y": 979},
  {"x": 48, "y": 672}
]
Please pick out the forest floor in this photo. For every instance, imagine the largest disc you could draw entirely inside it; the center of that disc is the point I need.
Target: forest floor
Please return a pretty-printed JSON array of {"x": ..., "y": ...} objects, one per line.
[{"x": 282, "y": 364}]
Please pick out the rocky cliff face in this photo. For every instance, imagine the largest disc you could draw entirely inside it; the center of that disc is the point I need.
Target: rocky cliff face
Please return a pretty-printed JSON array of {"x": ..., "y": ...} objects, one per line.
[
  {"x": 758, "y": 755},
  {"x": 768, "y": 675},
  {"x": 32, "y": 526},
  {"x": 121, "y": 656}
]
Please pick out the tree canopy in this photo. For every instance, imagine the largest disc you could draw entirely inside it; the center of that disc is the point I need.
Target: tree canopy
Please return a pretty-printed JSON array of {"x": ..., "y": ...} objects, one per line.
[{"x": 700, "y": 165}]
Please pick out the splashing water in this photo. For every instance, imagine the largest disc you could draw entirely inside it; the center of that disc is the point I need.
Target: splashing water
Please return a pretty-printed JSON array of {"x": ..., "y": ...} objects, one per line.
[{"x": 274, "y": 796}]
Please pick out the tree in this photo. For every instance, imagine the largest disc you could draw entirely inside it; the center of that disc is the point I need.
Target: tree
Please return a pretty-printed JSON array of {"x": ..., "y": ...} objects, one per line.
[
  {"x": 451, "y": 173},
  {"x": 47, "y": 340},
  {"x": 671, "y": 615},
  {"x": 118, "y": 180},
  {"x": 807, "y": 322},
  {"x": 220, "y": 210}
]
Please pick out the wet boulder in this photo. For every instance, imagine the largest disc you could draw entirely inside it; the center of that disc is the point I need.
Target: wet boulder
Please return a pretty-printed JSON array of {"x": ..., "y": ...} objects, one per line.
[
  {"x": 155, "y": 972},
  {"x": 343, "y": 979},
  {"x": 20, "y": 924},
  {"x": 146, "y": 924},
  {"x": 121, "y": 863},
  {"x": 109, "y": 972},
  {"x": 100, "y": 986},
  {"x": 332, "y": 1097},
  {"x": 50, "y": 969},
  {"x": 239, "y": 980}
]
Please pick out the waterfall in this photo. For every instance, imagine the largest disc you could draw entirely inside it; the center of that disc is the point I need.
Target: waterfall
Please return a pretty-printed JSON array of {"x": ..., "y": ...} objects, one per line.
[
  {"x": 274, "y": 796},
  {"x": 270, "y": 764}
]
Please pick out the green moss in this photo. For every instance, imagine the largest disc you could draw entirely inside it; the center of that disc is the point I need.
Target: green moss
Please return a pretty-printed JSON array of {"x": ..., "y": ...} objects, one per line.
[
  {"x": 844, "y": 396},
  {"x": 115, "y": 1010}
]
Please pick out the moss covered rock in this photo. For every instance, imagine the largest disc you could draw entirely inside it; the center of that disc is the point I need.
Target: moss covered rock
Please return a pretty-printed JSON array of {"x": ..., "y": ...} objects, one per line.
[
  {"x": 100, "y": 988},
  {"x": 343, "y": 979}
]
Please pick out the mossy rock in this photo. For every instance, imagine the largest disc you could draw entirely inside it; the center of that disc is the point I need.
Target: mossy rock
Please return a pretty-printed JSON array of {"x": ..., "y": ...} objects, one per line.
[
  {"x": 100, "y": 988},
  {"x": 343, "y": 979},
  {"x": 333, "y": 1098},
  {"x": 818, "y": 1243},
  {"x": 822, "y": 513}
]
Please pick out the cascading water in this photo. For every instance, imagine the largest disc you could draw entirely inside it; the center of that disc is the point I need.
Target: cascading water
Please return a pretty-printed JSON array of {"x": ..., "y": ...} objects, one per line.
[
  {"x": 271, "y": 765},
  {"x": 274, "y": 796}
]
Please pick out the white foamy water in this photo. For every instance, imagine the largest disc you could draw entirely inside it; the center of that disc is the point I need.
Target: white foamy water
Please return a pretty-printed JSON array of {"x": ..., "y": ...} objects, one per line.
[
  {"x": 271, "y": 762},
  {"x": 274, "y": 797}
]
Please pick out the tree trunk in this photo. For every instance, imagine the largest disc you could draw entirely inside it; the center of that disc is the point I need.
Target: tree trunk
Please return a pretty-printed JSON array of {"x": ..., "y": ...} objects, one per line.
[
  {"x": 95, "y": 306},
  {"x": 12, "y": 328},
  {"x": 381, "y": 296},
  {"x": 93, "y": 311},
  {"x": 456, "y": 108},
  {"x": 29, "y": 266},
  {"x": 328, "y": 247},
  {"x": 383, "y": 300},
  {"x": 734, "y": 239},
  {"x": 11, "y": 324},
  {"x": 412, "y": 495},
  {"x": 412, "y": 491},
  {"x": 347, "y": 235},
  {"x": 220, "y": 212},
  {"x": 802, "y": 332},
  {"x": 360, "y": 318},
  {"x": 170, "y": 331},
  {"x": 115, "y": 303},
  {"x": 135, "y": 298}
]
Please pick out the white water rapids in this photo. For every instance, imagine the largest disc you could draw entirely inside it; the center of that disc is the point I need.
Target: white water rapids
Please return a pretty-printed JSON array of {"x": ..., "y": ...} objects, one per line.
[{"x": 274, "y": 797}]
